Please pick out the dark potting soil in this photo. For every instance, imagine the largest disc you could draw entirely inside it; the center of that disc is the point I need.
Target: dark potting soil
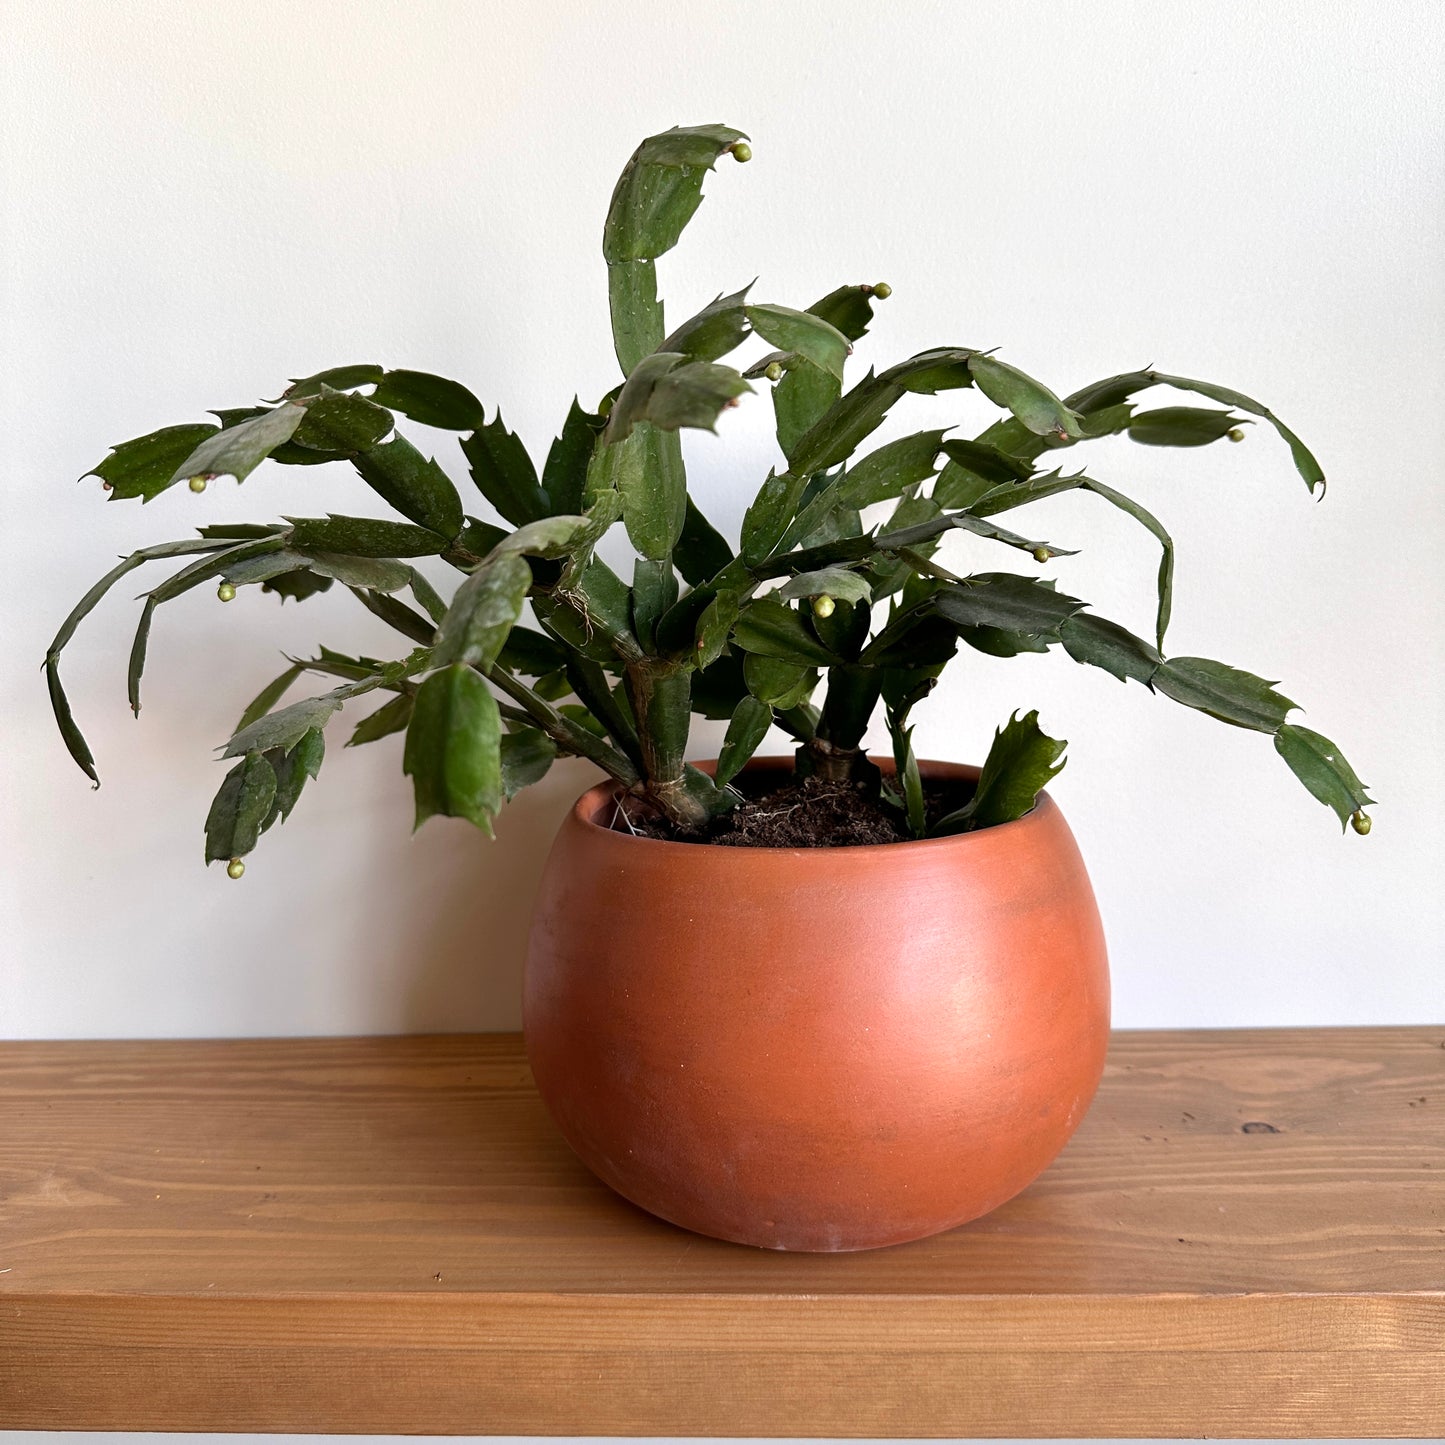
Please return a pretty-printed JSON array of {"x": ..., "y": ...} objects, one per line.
[{"x": 806, "y": 813}]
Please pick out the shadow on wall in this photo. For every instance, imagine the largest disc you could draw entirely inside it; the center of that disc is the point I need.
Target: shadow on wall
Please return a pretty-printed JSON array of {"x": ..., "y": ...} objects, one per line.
[
  {"x": 460, "y": 946},
  {"x": 450, "y": 948}
]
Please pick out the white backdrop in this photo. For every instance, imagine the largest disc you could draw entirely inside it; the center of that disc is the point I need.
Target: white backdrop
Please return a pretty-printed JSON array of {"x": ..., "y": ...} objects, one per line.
[{"x": 202, "y": 200}]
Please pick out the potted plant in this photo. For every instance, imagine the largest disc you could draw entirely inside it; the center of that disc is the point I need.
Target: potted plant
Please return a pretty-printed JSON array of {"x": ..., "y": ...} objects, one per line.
[{"x": 751, "y": 1037}]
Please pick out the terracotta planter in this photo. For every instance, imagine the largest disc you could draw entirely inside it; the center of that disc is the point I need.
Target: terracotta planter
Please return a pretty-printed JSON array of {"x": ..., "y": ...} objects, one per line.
[{"x": 817, "y": 1049}]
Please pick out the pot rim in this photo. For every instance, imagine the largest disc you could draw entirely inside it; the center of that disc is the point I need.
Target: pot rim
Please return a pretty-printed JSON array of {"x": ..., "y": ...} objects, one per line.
[{"x": 1045, "y": 813}]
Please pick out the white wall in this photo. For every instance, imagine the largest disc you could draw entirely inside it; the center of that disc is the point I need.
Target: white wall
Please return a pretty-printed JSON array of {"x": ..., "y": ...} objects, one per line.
[{"x": 202, "y": 200}]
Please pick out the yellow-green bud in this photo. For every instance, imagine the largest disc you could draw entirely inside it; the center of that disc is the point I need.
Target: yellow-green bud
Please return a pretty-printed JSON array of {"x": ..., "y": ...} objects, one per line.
[
  {"x": 198, "y": 484},
  {"x": 882, "y": 291},
  {"x": 226, "y": 592},
  {"x": 1235, "y": 433},
  {"x": 235, "y": 868},
  {"x": 741, "y": 150},
  {"x": 1042, "y": 554},
  {"x": 1360, "y": 822},
  {"x": 773, "y": 371},
  {"x": 823, "y": 606}
]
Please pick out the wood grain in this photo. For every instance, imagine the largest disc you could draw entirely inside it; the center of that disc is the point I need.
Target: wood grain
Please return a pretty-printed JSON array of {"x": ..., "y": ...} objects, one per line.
[{"x": 1246, "y": 1237}]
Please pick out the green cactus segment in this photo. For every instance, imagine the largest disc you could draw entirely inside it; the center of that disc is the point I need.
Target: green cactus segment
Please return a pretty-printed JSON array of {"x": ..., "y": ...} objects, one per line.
[
  {"x": 720, "y": 327},
  {"x": 269, "y": 696},
  {"x": 768, "y": 517},
  {"x": 880, "y": 476},
  {"x": 774, "y": 680},
  {"x": 609, "y": 708},
  {"x": 1019, "y": 765},
  {"x": 338, "y": 378},
  {"x": 833, "y": 582},
  {"x": 1100, "y": 643},
  {"x": 904, "y": 540},
  {"x": 654, "y": 591},
  {"x": 805, "y": 390},
  {"x": 146, "y": 466},
  {"x": 848, "y": 705},
  {"x": 505, "y": 474},
  {"x": 1029, "y": 400},
  {"x": 364, "y": 537},
  {"x": 637, "y": 321},
  {"x": 715, "y": 626},
  {"x": 391, "y": 717},
  {"x": 483, "y": 612},
  {"x": 1226, "y": 693},
  {"x": 286, "y": 728},
  {"x": 670, "y": 391},
  {"x": 341, "y": 424},
  {"x": 656, "y": 195},
  {"x": 1005, "y": 599},
  {"x": 849, "y": 309},
  {"x": 237, "y": 451},
  {"x": 1181, "y": 426},
  {"x": 527, "y": 754},
  {"x": 747, "y": 728},
  {"x": 431, "y": 400},
  {"x": 645, "y": 471},
  {"x": 74, "y": 739},
  {"x": 660, "y": 697},
  {"x": 861, "y": 411},
  {"x": 292, "y": 767},
  {"x": 660, "y": 189},
  {"x": 701, "y": 551},
  {"x": 70, "y": 733},
  {"x": 240, "y": 809},
  {"x": 453, "y": 751},
  {"x": 773, "y": 629},
  {"x": 564, "y": 475},
  {"x": 1322, "y": 768},
  {"x": 808, "y": 336},
  {"x": 906, "y": 776},
  {"x": 415, "y": 485}
]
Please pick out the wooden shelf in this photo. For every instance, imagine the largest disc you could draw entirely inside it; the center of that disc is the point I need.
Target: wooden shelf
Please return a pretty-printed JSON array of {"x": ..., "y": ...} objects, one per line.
[{"x": 1247, "y": 1237}]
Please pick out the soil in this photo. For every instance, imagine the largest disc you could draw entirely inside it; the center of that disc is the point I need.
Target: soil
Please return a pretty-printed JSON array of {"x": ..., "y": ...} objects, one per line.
[{"x": 805, "y": 813}]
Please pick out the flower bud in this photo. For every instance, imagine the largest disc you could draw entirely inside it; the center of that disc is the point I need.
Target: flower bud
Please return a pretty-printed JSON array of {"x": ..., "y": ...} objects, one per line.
[
  {"x": 198, "y": 484},
  {"x": 881, "y": 290},
  {"x": 235, "y": 868},
  {"x": 1360, "y": 822},
  {"x": 226, "y": 592},
  {"x": 1042, "y": 554},
  {"x": 741, "y": 150},
  {"x": 1235, "y": 433},
  {"x": 773, "y": 371},
  {"x": 823, "y": 606}
]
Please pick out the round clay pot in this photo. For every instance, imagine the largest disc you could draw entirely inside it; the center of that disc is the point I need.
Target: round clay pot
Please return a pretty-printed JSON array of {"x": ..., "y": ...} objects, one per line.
[{"x": 817, "y": 1049}]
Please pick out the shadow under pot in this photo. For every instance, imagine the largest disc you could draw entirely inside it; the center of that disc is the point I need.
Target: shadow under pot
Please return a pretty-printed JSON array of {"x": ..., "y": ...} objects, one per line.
[{"x": 817, "y": 1049}]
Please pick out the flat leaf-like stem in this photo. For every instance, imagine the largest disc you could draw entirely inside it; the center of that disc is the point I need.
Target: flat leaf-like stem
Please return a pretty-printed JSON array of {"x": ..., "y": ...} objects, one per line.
[
  {"x": 74, "y": 739},
  {"x": 1322, "y": 768},
  {"x": 1019, "y": 765},
  {"x": 237, "y": 451},
  {"x": 240, "y": 808},
  {"x": 747, "y": 728},
  {"x": 453, "y": 748}
]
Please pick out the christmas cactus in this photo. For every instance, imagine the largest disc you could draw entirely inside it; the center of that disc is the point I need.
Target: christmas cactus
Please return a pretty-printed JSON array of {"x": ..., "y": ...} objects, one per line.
[{"x": 814, "y": 621}]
